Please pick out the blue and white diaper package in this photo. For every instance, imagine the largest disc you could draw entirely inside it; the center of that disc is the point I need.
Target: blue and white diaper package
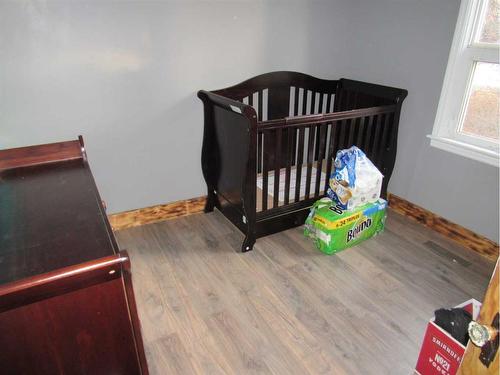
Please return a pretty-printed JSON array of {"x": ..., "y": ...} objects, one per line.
[{"x": 355, "y": 180}]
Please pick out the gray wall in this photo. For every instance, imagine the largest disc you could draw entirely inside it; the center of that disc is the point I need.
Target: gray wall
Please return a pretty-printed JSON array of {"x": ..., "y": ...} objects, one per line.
[
  {"x": 125, "y": 76},
  {"x": 417, "y": 37}
]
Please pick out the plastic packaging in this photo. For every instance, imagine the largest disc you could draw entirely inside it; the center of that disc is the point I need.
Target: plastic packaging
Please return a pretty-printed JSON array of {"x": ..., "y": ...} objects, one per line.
[
  {"x": 355, "y": 180},
  {"x": 333, "y": 228}
]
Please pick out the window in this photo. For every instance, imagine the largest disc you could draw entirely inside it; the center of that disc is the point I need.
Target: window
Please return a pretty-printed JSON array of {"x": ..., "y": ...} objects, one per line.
[{"x": 467, "y": 121}]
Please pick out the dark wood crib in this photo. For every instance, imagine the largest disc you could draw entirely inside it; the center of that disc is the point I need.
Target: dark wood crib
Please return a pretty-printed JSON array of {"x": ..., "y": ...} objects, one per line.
[{"x": 269, "y": 141}]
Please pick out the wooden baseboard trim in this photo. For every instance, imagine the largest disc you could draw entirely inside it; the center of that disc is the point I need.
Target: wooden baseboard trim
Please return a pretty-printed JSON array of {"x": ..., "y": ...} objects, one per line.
[
  {"x": 454, "y": 232},
  {"x": 153, "y": 214}
]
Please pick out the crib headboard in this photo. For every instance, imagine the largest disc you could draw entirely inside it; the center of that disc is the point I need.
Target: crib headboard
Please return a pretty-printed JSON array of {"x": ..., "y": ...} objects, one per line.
[{"x": 281, "y": 94}]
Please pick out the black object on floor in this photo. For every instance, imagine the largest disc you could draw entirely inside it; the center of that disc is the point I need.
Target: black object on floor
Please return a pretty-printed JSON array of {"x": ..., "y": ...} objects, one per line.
[{"x": 455, "y": 322}]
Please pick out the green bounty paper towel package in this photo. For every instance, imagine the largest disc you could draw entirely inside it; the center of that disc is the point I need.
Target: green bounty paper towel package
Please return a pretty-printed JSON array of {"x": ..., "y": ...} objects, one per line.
[{"x": 333, "y": 228}]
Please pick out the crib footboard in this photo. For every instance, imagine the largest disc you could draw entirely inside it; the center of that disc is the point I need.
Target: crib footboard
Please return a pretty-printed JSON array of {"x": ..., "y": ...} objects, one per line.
[{"x": 229, "y": 161}]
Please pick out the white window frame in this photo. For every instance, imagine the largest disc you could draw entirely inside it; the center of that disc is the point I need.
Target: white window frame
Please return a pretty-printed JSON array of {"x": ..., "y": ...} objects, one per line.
[{"x": 464, "y": 54}]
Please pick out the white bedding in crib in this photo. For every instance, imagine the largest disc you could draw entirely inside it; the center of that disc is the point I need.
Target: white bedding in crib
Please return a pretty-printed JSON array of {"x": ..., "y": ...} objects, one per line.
[{"x": 293, "y": 174}]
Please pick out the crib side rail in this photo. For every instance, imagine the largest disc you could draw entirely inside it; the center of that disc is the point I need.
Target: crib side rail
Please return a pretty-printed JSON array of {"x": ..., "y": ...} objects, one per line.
[
  {"x": 334, "y": 116},
  {"x": 228, "y": 156},
  {"x": 311, "y": 143}
]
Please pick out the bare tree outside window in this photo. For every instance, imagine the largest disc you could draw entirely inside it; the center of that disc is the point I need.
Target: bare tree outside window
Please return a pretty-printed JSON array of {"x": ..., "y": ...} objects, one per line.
[
  {"x": 482, "y": 112},
  {"x": 490, "y": 30}
]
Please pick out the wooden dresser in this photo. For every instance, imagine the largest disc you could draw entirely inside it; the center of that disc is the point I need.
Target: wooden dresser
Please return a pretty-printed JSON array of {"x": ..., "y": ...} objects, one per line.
[{"x": 66, "y": 300}]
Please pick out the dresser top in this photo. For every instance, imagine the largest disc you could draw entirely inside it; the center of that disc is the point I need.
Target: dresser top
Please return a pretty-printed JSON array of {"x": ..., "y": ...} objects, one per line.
[{"x": 51, "y": 216}]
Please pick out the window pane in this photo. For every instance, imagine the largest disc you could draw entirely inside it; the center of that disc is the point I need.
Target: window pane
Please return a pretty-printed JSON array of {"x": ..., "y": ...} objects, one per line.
[
  {"x": 482, "y": 113},
  {"x": 490, "y": 27}
]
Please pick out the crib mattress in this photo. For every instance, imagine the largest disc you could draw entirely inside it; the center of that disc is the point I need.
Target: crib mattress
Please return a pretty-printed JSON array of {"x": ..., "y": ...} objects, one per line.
[{"x": 293, "y": 174}]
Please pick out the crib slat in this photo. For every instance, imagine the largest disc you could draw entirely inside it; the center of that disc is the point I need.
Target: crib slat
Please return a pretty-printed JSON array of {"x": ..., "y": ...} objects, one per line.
[
  {"x": 325, "y": 141},
  {"x": 260, "y": 142},
  {"x": 321, "y": 156},
  {"x": 386, "y": 144},
  {"x": 369, "y": 131},
  {"x": 383, "y": 140},
  {"x": 352, "y": 128},
  {"x": 320, "y": 145},
  {"x": 331, "y": 152},
  {"x": 296, "y": 104},
  {"x": 361, "y": 130},
  {"x": 313, "y": 102},
  {"x": 265, "y": 172},
  {"x": 376, "y": 139},
  {"x": 320, "y": 103},
  {"x": 310, "y": 154},
  {"x": 316, "y": 143},
  {"x": 337, "y": 98},
  {"x": 250, "y": 99},
  {"x": 343, "y": 128},
  {"x": 328, "y": 101},
  {"x": 259, "y": 103},
  {"x": 379, "y": 151},
  {"x": 387, "y": 137},
  {"x": 265, "y": 104},
  {"x": 290, "y": 137},
  {"x": 300, "y": 156},
  {"x": 295, "y": 113},
  {"x": 304, "y": 102},
  {"x": 277, "y": 165}
]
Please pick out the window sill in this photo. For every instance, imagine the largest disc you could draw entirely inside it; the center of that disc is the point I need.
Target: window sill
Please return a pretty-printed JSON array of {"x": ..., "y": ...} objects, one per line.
[{"x": 466, "y": 150}]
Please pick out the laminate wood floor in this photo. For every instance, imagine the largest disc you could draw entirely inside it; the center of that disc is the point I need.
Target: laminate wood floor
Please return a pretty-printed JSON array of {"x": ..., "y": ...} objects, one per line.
[{"x": 285, "y": 308}]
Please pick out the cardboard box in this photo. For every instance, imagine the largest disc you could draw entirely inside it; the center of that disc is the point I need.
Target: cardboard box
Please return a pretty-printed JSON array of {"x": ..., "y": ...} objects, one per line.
[{"x": 440, "y": 353}]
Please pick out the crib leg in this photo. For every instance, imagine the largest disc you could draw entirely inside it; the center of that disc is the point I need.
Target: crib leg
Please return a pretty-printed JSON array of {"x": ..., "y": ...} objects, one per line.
[
  {"x": 211, "y": 201},
  {"x": 248, "y": 243}
]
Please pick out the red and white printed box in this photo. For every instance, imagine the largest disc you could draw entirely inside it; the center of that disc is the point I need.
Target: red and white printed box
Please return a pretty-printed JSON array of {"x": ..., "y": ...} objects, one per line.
[{"x": 441, "y": 354}]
